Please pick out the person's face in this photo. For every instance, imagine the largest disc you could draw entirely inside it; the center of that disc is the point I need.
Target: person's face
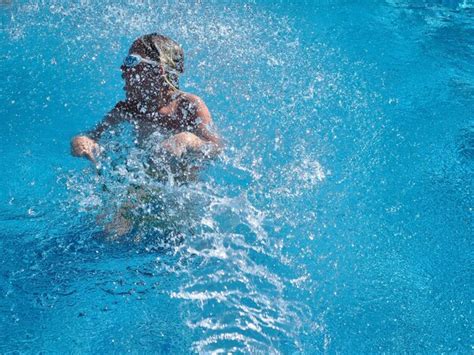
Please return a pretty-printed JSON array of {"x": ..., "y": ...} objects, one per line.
[{"x": 142, "y": 81}]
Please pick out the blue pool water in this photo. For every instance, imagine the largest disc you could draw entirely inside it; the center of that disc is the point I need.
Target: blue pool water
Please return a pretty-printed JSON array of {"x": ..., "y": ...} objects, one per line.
[{"x": 339, "y": 218}]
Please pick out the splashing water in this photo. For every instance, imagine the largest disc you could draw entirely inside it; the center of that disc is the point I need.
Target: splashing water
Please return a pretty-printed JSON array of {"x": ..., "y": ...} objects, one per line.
[{"x": 309, "y": 234}]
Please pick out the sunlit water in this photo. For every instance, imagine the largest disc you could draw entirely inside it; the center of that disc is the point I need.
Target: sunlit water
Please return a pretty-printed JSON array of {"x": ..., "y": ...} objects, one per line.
[{"x": 338, "y": 219}]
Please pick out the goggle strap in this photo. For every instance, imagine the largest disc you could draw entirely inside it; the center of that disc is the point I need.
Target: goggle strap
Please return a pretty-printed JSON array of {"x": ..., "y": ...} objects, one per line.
[
  {"x": 141, "y": 59},
  {"x": 149, "y": 61}
]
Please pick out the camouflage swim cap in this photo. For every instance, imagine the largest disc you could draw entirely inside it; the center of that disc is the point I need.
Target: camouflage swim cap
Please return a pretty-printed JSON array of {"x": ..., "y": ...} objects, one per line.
[
  {"x": 163, "y": 50},
  {"x": 170, "y": 53}
]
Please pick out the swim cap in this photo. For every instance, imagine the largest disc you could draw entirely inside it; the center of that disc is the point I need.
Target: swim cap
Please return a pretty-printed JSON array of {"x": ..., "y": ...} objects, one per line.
[{"x": 163, "y": 50}]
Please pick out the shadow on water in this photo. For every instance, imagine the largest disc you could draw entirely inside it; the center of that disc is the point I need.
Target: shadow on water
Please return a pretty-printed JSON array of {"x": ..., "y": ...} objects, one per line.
[{"x": 465, "y": 143}]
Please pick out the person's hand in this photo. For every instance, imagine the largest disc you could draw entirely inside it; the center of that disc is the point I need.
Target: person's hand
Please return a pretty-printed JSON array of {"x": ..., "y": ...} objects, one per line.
[
  {"x": 82, "y": 146},
  {"x": 181, "y": 142}
]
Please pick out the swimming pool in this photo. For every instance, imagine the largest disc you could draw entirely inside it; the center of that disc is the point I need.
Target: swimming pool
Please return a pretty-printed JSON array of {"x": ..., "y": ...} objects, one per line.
[{"x": 339, "y": 218}]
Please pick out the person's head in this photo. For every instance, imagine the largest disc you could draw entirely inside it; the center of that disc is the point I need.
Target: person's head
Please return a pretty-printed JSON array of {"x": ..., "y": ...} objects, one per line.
[{"x": 152, "y": 66}]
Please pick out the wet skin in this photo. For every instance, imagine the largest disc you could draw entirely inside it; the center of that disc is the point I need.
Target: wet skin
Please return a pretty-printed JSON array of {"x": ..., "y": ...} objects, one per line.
[{"x": 152, "y": 105}]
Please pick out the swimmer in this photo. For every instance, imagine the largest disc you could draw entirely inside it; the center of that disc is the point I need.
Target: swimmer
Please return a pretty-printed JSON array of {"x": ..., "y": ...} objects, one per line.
[
  {"x": 154, "y": 103},
  {"x": 155, "y": 106}
]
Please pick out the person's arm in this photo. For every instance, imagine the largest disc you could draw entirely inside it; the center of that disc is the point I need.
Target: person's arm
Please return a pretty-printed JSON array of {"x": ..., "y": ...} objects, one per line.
[
  {"x": 204, "y": 139},
  {"x": 86, "y": 145},
  {"x": 205, "y": 128}
]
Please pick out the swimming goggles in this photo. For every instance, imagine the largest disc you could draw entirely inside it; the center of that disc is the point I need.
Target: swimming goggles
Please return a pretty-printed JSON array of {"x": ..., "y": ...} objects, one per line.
[{"x": 133, "y": 60}]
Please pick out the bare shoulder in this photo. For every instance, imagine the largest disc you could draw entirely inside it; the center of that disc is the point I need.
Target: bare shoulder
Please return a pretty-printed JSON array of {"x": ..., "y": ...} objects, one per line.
[
  {"x": 203, "y": 122},
  {"x": 196, "y": 105},
  {"x": 190, "y": 97},
  {"x": 192, "y": 100}
]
